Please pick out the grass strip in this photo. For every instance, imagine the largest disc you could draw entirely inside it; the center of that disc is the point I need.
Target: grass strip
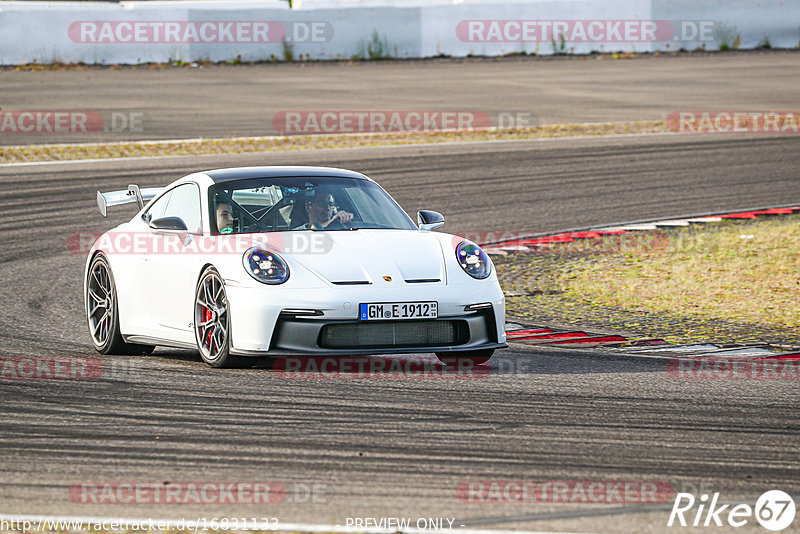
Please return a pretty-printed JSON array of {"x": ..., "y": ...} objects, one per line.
[
  {"x": 193, "y": 147},
  {"x": 730, "y": 282}
]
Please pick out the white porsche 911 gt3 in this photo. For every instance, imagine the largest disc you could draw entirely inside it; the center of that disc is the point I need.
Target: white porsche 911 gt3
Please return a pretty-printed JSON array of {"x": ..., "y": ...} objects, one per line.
[{"x": 278, "y": 261}]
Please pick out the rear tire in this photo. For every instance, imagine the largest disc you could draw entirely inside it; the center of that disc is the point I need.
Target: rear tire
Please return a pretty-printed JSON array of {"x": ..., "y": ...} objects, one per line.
[
  {"x": 212, "y": 324},
  {"x": 477, "y": 357},
  {"x": 102, "y": 311}
]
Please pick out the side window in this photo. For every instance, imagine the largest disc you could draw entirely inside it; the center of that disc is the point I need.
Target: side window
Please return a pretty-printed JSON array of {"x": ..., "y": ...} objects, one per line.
[
  {"x": 156, "y": 211},
  {"x": 185, "y": 203}
]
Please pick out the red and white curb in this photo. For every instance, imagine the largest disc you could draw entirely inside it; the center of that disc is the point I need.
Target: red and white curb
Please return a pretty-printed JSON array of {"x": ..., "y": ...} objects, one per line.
[
  {"x": 538, "y": 242},
  {"x": 612, "y": 344},
  {"x": 543, "y": 335}
]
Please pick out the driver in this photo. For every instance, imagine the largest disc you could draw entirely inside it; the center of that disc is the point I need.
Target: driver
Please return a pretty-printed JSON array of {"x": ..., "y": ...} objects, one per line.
[
  {"x": 321, "y": 210},
  {"x": 225, "y": 218}
]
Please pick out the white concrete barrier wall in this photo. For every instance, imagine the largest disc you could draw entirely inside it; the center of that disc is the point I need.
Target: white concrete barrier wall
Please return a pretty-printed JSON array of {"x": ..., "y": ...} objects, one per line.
[
  {"x": 45, "y": 34},
  {"x": 129, "y": 33},
  {"x": 440, "y": 25},
  {"x": 752, "y": 20}
]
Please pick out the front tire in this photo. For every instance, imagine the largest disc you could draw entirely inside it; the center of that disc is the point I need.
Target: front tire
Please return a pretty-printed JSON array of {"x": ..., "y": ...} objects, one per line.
[
  {"x": 212, "y": 325},
  {"x": 477, "y": 357},
  {"x": 102, "y": 311}
]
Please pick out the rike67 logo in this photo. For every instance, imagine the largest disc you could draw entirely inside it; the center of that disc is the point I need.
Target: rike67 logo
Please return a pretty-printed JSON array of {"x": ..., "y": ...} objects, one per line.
[{"x": 774, "y": 510}]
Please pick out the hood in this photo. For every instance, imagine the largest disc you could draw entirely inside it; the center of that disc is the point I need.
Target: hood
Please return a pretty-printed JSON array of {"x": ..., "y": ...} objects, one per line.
[{"x": 350, "y": 257}]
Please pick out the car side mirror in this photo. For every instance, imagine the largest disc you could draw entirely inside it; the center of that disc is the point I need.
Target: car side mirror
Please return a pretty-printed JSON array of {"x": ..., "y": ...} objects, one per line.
[
  {"x": 429, "y": 220},
  {"x": 168, "y": 223}
]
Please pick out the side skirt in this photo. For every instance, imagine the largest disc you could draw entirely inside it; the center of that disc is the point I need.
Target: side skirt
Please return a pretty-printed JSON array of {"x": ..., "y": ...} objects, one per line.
[{"x": 146, "y": 340}]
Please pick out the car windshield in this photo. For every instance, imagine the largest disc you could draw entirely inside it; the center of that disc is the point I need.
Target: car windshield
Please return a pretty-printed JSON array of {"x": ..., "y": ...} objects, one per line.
[{"x": 303, "y": 204}]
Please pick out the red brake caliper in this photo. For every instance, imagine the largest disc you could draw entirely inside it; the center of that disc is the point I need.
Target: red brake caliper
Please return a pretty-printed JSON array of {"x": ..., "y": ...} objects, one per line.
[{"x": 207, "y": 317}]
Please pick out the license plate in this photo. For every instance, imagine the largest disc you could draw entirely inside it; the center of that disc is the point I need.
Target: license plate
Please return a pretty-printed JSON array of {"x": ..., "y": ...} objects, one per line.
[{"x": 387, "y": 311}]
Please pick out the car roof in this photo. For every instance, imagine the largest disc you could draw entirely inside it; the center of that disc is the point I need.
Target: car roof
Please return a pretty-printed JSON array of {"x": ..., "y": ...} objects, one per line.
[{"x": 243, "y": 173}]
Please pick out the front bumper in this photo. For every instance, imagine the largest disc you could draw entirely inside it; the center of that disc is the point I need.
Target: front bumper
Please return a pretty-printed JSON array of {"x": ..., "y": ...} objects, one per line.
[
  {"x": 261, "y": 327},
  {"x": 302, "y": 336}
]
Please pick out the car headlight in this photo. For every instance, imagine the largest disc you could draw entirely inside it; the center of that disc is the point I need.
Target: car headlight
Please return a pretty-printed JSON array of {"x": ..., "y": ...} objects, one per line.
[
  {"x": 265, "y": 266},
  {"x": 473, "y": 260}
]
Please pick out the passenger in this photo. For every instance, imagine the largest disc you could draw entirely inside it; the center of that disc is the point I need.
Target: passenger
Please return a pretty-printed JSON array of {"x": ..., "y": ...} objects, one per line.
[
  {"x": 225, "y": 218},
  {"x": 321, "y": 210}
]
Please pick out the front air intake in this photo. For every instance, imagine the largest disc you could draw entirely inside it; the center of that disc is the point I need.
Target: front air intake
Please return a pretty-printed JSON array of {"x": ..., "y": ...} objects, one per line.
[{"x": 391, "y": 334}]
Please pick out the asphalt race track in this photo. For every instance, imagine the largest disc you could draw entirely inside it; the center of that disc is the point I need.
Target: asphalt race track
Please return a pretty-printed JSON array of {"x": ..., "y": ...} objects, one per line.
[
  {"x": 222, "y": 101},
  {"x": 394, "y": 448}
]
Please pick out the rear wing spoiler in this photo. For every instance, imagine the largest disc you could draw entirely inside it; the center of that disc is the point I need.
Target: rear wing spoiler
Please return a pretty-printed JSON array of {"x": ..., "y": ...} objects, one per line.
[{"x": 132, "y": 194}]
